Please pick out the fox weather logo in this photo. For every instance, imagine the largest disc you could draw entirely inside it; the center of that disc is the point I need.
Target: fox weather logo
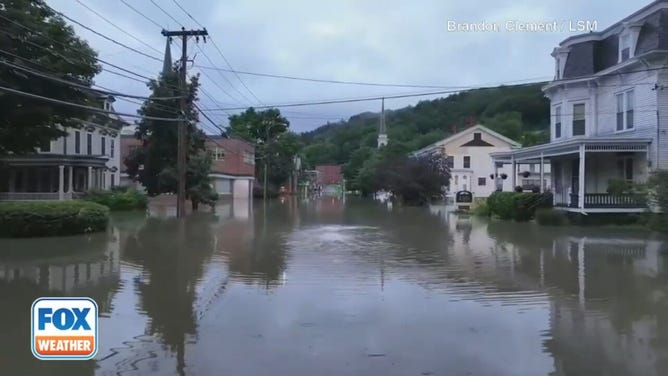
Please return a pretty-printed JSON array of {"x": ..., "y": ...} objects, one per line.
[{"x": 64, "y": 328}]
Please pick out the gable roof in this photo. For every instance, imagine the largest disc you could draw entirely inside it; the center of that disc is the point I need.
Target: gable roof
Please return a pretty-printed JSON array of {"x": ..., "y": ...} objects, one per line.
[{"x": 513, "y": 143}]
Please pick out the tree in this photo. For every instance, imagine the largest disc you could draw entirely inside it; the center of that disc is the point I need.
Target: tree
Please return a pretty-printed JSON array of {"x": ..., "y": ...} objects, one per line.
[
  {"x": 274, "y": 148},
  {"x": 38, "y": 39},
  {"x": 414, "y": 180},
  {"x": 154, "y": 164}
]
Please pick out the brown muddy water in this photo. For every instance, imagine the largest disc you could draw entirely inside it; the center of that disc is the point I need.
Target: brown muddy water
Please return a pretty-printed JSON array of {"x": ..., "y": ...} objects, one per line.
[{"x": 329, "y": 287}]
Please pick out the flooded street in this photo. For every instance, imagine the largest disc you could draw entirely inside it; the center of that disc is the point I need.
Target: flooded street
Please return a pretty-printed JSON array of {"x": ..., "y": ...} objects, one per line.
[{"x": 332, "y": 288}]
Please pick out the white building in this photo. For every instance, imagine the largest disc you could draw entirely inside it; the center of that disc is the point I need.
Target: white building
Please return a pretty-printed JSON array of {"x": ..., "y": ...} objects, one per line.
[
  {"x": 609, "y": 113},
  {"x": 471, "y": 166},
  {"x": 88, "y": 157}
]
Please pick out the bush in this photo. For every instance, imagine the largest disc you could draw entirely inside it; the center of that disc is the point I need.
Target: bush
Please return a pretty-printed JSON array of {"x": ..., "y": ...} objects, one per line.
[
  {"x": 118, "y": 199},
  {"x": 481, "y": 209},
  {"x": 516, "y": 205},
  {"x": 51, "y": 218},
  {"x": 551, "y": 217}
]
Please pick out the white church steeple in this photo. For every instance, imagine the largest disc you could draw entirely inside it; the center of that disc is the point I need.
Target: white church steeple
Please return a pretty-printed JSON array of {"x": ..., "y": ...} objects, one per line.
[{"x": 382, "y": 131}]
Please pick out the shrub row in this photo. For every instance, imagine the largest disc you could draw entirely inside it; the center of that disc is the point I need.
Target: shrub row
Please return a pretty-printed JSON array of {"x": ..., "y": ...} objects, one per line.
[
  {"x": 118, "y": 199},
  {"x": 51, "y": 218},
  {"x": 516, "y": 205}
]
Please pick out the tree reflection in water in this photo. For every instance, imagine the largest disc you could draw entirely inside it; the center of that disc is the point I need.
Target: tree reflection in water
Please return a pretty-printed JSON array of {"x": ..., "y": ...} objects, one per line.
[{"x": 173, "y": 253}]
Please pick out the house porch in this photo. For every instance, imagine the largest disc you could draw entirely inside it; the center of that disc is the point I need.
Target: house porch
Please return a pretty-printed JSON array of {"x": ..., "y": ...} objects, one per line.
[
  {"x": 50, "y": 177},
  {"x": 584, "y": 172}
]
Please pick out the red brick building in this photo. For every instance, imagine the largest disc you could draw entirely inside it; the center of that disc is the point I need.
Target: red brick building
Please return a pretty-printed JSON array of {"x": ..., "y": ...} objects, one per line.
[
  {"x": 232, "y": 164},
  {"x": 329, "y": 175}
]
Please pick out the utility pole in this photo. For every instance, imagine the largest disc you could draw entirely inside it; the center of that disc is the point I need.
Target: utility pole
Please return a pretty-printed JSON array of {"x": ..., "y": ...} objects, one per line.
[{"x": 182, "y": 135}]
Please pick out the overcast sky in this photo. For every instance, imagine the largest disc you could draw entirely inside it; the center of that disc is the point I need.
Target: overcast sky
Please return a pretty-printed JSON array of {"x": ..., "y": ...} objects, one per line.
[{"x": 384, "y": 41}]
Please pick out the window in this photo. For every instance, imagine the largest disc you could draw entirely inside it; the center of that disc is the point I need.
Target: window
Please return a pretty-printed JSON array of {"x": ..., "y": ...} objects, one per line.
[
  {"x": 482, "y": 181},
  {"x": 103, "y": 146},
  {"x": 113, "y": 179},
  {"x": 579, "y": 119},
  {"x": 467, "y": 161},
  {"x": 112, "y": 147},
  {"x": 89, "y": 143},
  {"x": 625, "y": 105},
  {"x": 625, "y": 168},
  {"x": 620, "y": 112},
  {"x": 450, "y": 161},
  {"x": 77, "y": 142},
  {"x": 557, "y": 122},
  {"x": 249, "y": 158},
  {"x": 219, "y": 155},
  {"x": 630, "y": 104},
  {"x": 624, "y": 47},
  {"x": 456, "y": 179}
]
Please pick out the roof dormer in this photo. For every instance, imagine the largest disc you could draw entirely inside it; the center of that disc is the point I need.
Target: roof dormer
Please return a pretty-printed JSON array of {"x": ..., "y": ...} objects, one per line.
[
  {"x": 628, "y": 40},
  {"x": 560, "y": 55}
]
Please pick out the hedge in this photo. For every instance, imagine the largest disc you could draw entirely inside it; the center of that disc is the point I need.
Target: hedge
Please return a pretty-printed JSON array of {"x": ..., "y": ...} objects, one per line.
[
  {"x": 118, "y": 199},
  {"x": 51, "y": 218},
  {"x": 516, "y": 205}
]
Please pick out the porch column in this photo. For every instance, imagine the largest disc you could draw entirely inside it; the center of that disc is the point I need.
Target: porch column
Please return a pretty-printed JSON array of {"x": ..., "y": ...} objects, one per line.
[
  {"x": 542, "y": 174},
  {"x": 69, "y": 179},
  {"x": 61, "y": 182},
  {"x": 89, "y": 182},
  {"x": 513, "y": 174},
  {"x": 496, "y": 176},
  {"x": 12, "y": 177},
  {"x": 581, "y": 180}
]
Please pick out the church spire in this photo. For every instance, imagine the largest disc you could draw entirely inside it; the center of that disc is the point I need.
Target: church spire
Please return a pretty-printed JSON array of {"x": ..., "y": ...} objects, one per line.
[
  {"x": 167, "y": 65},
  {"x": 382, "y": 130}
]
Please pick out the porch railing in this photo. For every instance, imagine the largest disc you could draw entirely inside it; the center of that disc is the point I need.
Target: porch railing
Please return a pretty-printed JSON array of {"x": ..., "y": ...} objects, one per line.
[
  {"x": 604, "y": 200},
  {"x": 25, "y": 196}
]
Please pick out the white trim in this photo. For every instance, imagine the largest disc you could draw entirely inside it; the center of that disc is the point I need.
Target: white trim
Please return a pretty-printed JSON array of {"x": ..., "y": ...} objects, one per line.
[
  {"x": 457, "y": 135},
  {"x": 601, "y": 210},
  {"x": 233, "y": 177}
]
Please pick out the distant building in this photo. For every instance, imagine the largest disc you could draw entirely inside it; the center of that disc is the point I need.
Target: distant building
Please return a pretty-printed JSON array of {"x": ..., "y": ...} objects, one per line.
[
  {"x": 471, "y": 166},
  {"x": 329, "y": 178},
  {"x": 232, "y": 164},
  {"x": 65, "y": 168}
]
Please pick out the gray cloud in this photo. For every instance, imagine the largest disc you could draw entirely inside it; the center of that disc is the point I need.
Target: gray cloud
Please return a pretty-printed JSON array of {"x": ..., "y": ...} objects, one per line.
[{"x": 373, "y": 41}]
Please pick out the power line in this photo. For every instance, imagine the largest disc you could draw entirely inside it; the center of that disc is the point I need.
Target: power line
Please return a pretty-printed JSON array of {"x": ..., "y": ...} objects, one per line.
[
  {"x": 117, "y": 27},
  {"x": 141, "y": 14},
  {"x": 74, "y": 84},
  {"x": 225, "y": 78},
  {"x": 213, "y": 42},
  {"x": 104, "y": 36},
  {"x": 188, "y": 14},
  {"x": 165, "y": 12},
  {"x": 92, "y": 109},
  {"x": 285, "y": 77}
]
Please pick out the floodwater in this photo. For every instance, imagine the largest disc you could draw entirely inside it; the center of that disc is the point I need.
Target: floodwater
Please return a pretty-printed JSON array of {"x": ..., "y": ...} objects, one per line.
[{"x": 346, "y": 288}]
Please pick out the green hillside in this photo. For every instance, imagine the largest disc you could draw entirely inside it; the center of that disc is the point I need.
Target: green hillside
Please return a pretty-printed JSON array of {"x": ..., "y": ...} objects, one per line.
[{"x": 520, "y": 112}]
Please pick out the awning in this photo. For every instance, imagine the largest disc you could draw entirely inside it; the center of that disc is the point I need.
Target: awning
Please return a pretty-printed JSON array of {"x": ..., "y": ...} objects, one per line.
[{"x": 533, "y": 154}]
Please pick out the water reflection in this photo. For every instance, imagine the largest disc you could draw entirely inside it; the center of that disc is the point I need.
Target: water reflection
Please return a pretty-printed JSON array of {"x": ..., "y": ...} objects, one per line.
[
  {"x": 71, "y": 266},
  {"x": 349, "y": 288}
]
